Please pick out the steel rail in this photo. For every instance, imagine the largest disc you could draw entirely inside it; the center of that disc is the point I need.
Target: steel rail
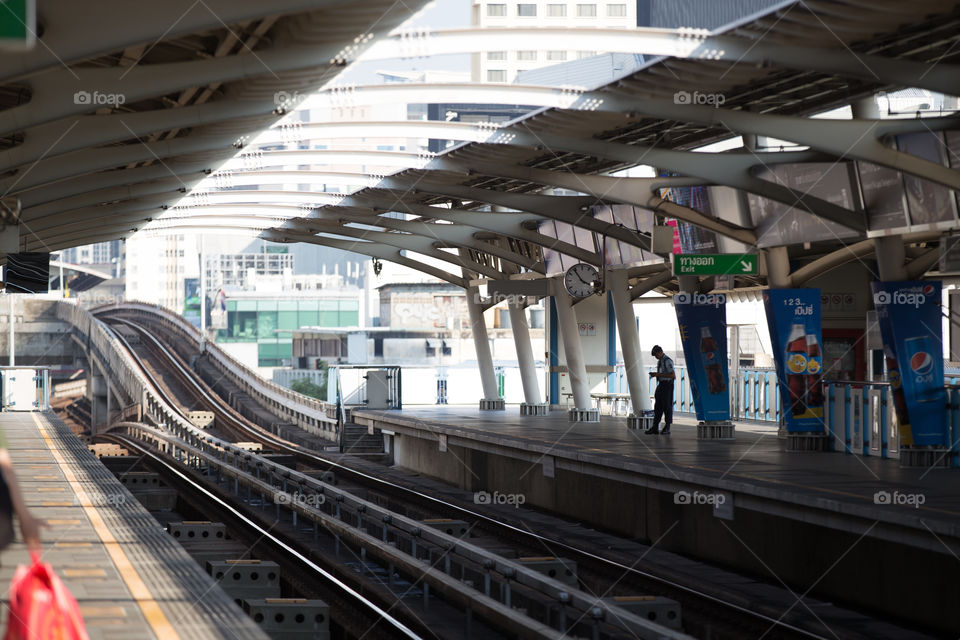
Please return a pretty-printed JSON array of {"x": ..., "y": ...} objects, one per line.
[
  {"x": 264, "y": 533},
  {"x": 491, "y": 522}
]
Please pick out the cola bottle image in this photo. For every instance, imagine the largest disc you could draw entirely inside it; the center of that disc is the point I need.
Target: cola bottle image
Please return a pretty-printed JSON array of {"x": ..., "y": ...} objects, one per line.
[
  {"x": 710, "y": 354},
  {"x": 796, "y": 369},
  {"x": 814, "y": 372}
]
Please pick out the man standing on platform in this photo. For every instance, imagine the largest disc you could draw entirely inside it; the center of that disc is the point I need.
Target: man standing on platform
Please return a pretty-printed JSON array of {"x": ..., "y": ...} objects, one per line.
[{"x": 663, "y": 396}]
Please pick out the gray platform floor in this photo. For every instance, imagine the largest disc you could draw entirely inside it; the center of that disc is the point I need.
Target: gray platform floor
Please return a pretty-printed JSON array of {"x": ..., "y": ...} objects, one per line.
[
  {"x": 756, "y": 462},
  {"x": 130, "y": 578}
]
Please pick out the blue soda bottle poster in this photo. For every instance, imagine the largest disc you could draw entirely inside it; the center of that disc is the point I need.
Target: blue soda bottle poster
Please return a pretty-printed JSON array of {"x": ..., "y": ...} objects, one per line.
[
  {"x": 702, "y": 319},
  {"x": 909, "y": 317},
  {"x": 793, "y": 316}
]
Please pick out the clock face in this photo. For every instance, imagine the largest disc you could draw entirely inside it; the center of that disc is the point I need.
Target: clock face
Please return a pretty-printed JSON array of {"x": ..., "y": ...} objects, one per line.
[{"x": 582, "y": 280}]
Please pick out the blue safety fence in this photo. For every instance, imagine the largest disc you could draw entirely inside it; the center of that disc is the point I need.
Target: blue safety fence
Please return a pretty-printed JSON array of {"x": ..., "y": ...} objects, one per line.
[
  {"x": 861, "y": 420},
  {"x": 754, "y": 394}
]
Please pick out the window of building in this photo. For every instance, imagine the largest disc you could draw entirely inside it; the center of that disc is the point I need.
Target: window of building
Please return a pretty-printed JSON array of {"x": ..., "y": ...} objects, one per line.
[
  {"x": 526, "y": 10},
  {"x": 585, "y": 54},
  {"x": 496, "y": 10},
  {"x": 557, "y": 10},
  {"x": 496, "y": 75},
  {"x": 496, "y": 55},
  {"x": 526, "y": 55},
  {"x": 616, "y": 10},
  {"x": 556, "y": 55},
  {"x": 586, "y": 11}
]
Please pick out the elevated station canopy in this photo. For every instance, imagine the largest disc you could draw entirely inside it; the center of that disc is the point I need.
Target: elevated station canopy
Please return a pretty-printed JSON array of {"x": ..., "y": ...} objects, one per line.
[{"x": 529, "y": 196}]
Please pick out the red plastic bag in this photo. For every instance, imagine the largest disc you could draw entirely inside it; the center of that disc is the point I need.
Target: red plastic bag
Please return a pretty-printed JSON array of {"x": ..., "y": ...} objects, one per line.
[{"x": 41, "y": 607}]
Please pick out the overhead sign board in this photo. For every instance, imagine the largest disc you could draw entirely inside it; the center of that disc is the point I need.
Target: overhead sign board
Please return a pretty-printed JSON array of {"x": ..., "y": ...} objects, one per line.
[{"x": 714, "y": 264}]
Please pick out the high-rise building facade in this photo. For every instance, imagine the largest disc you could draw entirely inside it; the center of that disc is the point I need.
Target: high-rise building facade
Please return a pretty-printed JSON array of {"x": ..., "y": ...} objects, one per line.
[{"x": 503, "y": 66}]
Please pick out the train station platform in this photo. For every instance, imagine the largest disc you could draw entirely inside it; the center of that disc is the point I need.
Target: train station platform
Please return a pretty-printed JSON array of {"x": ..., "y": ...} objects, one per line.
[
  {"x": 844, "y": 523},
  {"x": 130, "y": 578}
]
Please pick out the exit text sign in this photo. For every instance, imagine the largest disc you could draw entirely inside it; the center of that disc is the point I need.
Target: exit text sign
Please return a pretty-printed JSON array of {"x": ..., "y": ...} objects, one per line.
[{"x": 714, "y": 264}]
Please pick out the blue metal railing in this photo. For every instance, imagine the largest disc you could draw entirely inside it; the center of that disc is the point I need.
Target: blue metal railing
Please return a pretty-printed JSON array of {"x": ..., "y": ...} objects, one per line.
[{"x": 753, "y": 396}]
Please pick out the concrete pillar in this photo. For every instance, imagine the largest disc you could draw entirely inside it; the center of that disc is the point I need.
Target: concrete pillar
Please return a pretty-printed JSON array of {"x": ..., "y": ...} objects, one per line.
[
  {"x": 637, "y": 382},
  {"x": 890, "y": 258},
  {"x": 688, "y": 284},
  {"x": 533, "y": 401},
  {"x": 583, "y": 410},
  {"x": 888, "y": 249},
  {"x": 778, "y": 267},
  {"x": 491, "y": 399}
]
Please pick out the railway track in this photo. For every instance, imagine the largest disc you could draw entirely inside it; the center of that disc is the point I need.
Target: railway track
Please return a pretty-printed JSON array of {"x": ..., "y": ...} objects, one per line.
[{"x": 705, "y": 614}]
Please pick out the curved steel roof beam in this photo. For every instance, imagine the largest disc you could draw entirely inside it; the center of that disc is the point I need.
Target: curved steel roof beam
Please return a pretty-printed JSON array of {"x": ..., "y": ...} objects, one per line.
[
  {"x": 430, "y": 246},
  {"x": 32, "y": 243},
  {"x": 135, "y": 22},
  {"x": 372, "y": 249},
  {"x": 82, "y": 163},
  {"x": 858, "y": 139},
  {"x": 691, "y": 44},
  {"x": 55, "y": 139},
  {"x": 505, "y": 224},
  {"x": 570, "y": 209},
  {"x": 450, "y": 235},
  {"x": 127, "y": 192},
  {"x": 730, "y": 169},
  {"x": 90, "y": 186},
  {"x": 500, "y": 223},
  {"x": 90, "y": 215},
  {"x": 435, "y": 129},
  {"x": 643, "y": 192},
  {"x": 403, "y": 242},
  {"x": 68, "y": 92}
]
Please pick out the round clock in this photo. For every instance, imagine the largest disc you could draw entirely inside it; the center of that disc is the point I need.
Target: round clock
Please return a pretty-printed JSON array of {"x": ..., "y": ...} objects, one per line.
[{"x": 582, "y": 280}]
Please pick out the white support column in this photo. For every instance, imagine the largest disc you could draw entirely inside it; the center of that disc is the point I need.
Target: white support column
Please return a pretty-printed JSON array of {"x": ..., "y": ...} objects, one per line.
[
  {"x": 619, "y": 289},
  {"x": 583, "y": 410},
  {"x": 491, "y": 400},
  {"x": 890, "y": 258},
  {"x": 533, "y": 402},
  {"x": 888, "y": 250},
  {"x": 778, "y": 268}
]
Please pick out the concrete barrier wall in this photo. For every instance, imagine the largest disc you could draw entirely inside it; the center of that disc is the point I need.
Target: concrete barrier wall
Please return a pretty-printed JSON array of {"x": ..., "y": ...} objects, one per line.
[
  {"x": 884, "y": 576},
  {"x": 308, "y": 413}
]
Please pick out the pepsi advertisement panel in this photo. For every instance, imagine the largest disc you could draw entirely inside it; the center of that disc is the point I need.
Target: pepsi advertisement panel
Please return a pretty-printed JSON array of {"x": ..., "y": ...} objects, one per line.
[
  {"x": 793, "y": 316},
  {"x": 702, "y": 318},
  {"x": 909, "y": 317}
]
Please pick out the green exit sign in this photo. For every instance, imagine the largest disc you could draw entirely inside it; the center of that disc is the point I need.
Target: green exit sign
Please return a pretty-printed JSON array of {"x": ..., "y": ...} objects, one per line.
[
  {"x": 18, "y": 23},
  {"x": 714, "y": 264}
]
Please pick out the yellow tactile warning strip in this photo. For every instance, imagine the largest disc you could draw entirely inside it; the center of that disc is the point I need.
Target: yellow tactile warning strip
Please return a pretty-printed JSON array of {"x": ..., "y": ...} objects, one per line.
[{"x": 150, "y": 608}]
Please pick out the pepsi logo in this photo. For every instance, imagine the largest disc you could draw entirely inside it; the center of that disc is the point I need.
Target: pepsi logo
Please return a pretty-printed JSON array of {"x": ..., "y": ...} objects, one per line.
[
  {"x": 927, "y": 289},
  {"x": 921, "y": 363},
  {"x": 710, "y": 355}
]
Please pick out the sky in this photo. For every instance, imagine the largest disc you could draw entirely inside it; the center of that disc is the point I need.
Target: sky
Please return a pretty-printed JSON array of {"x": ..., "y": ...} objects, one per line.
[{"x": 441, "y": 14}]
